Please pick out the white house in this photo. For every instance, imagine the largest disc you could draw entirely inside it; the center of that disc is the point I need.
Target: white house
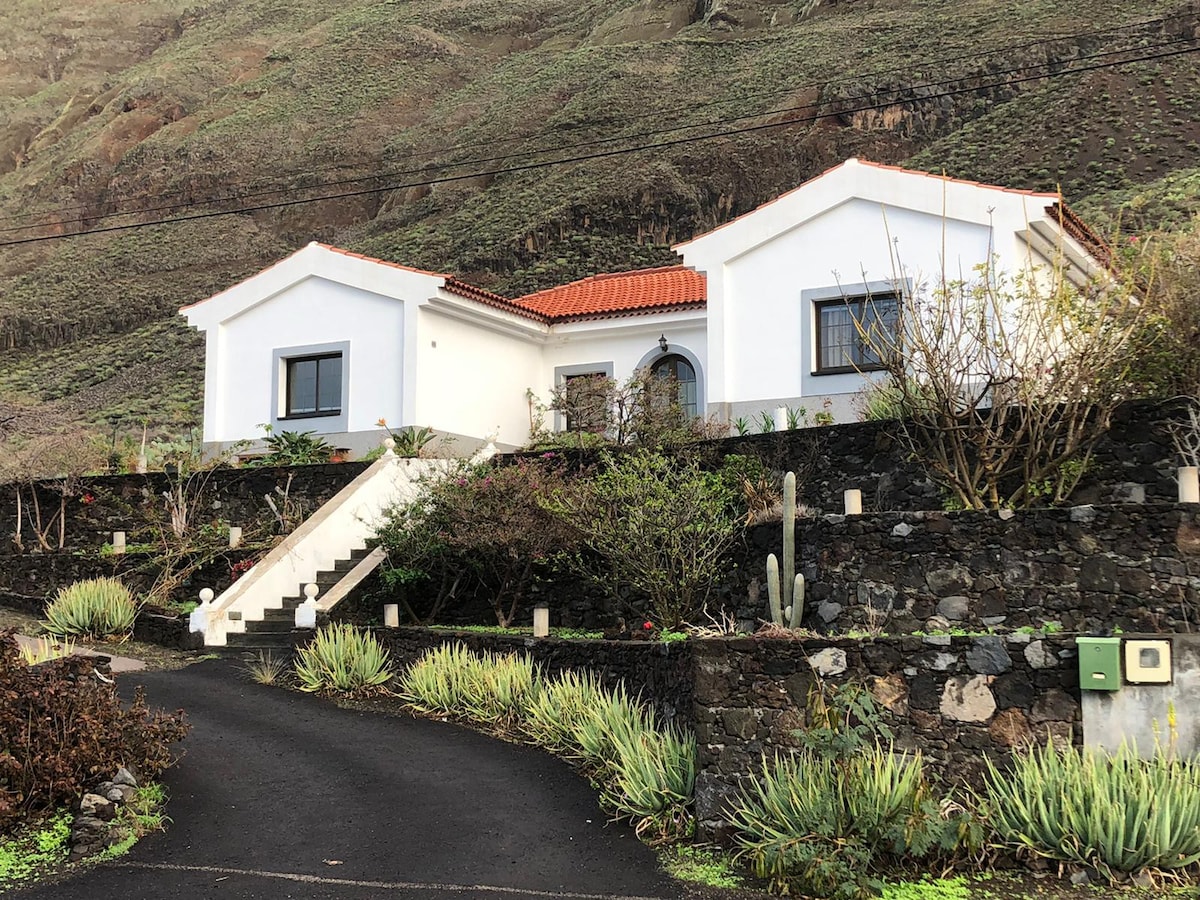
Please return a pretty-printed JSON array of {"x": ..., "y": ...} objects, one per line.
[{"x": 759, "y": 314}]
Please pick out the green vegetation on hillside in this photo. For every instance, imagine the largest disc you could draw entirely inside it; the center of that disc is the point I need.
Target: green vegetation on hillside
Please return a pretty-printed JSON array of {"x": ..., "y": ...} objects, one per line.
[{"x": 159, "y": 105}]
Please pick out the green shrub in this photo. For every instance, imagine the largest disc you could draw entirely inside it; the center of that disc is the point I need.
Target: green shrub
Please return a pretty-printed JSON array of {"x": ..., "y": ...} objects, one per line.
[
  {"x": 1117, "y": 812},
  {"x": 830, "y": 827},
  {"x": 661, "y": 526},
  {"x": 62, "y": 729},
  {"x": 342, "y": 658},
  {"x": 97, "y": 607}
]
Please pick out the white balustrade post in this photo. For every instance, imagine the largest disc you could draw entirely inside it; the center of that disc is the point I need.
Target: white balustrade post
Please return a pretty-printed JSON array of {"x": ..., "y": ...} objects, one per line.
[
  {"x": 389, "y": 444},
  {"x": 198, "y": 620},
  {"x": 306, "y": 612}
]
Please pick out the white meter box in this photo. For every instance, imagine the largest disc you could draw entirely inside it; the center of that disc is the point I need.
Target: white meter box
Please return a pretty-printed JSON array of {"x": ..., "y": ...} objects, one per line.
[{"x": 1147, "y": 662}]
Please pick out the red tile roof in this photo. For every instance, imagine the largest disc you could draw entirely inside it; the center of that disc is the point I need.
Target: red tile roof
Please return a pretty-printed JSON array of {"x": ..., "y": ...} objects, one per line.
[{"x": 620, "y": 293}]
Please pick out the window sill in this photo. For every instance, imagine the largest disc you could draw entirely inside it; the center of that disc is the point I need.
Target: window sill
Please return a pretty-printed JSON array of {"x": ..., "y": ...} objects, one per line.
[
  {"x": 315, "y": 415},
  {"x": 849, "y": 370}
]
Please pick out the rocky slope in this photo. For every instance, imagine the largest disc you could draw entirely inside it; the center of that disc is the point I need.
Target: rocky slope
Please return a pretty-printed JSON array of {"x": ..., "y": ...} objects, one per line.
[{"x": 114, "y": 113}]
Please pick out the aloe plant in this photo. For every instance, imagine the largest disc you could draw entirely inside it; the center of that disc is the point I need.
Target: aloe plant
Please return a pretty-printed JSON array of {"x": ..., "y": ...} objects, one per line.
[
  {"x": 786, "y": 595},
  {"x": 1116, "y": 812}
]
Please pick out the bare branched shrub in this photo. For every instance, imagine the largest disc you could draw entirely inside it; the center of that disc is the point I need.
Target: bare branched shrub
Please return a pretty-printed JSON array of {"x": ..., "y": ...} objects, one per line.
[
  {"x": 1186, "y": 434},
  {"x": 1007, "y": 383},
  {"x": 644, "y": 410}
]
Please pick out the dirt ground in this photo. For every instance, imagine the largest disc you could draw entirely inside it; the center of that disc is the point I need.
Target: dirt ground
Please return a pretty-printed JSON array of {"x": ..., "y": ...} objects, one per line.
[{"x": 154, "y": 656}]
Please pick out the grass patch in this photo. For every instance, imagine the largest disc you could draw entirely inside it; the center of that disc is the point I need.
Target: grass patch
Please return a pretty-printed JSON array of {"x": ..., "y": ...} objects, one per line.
[
  {"x": 569, "y": 634},
  {"x": 702, "y": 866}
]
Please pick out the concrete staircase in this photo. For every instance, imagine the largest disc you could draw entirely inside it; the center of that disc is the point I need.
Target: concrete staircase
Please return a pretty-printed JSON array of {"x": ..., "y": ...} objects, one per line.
[
  {"x": 276, "y": 631},
  {"x": 260, "y": 609}
]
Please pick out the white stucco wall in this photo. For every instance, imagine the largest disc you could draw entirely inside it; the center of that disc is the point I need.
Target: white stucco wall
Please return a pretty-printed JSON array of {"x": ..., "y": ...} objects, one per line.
[
  {"x": 472, "y": 380},
  {"x": 313, "y": 312},
  {"x": 625, "y": 344}
]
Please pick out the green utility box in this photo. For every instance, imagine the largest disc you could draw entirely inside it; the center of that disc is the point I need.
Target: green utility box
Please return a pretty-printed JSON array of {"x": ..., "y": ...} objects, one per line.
[{"x": 1099, "y": 663}]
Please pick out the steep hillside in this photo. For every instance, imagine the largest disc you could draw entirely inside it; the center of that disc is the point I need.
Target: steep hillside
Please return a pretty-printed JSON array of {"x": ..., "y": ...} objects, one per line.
[{"x": 114, "y": 112}]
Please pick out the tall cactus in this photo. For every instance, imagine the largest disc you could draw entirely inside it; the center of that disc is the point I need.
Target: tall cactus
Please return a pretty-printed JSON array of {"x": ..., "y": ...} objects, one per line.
[{"x": 786, "y": 597}]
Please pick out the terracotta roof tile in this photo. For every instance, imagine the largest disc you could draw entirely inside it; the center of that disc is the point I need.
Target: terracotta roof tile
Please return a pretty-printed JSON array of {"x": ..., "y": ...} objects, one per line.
[
  {"x": 1070, "y": 222},
  {"x": 620, "y": 293}
]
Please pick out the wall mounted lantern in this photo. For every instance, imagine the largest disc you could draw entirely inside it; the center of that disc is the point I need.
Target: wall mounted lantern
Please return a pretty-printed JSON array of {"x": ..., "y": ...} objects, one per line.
[{"x": 662, "y": 343}]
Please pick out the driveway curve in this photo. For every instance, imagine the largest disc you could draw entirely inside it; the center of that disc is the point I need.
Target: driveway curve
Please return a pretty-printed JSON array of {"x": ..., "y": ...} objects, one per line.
[{"x": 282, "y": 795}]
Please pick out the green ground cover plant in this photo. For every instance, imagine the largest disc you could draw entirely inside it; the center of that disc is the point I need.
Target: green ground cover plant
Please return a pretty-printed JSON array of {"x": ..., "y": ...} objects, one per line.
[
  {"x": 645, "y": 771},
  {"x": 34, "y": 849}
]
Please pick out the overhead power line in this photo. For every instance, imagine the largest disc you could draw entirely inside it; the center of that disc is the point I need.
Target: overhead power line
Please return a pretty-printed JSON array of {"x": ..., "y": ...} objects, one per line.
[
  {"x": 278, "y": 187},
  {"x": 605, "y": 154}
]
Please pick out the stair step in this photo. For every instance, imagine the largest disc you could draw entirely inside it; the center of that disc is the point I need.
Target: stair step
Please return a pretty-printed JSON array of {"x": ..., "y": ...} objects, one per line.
[
  {"x": 264, "y": 640},
  {"x": 270, "y": 626}
]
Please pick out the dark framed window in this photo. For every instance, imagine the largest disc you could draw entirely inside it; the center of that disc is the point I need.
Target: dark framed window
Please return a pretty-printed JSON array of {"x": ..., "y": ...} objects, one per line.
[
  {"x": 680, "y": 370},
  {"x": 585, "y": 401},
  {"x": 851, "y": 332},
  {"x": 314, "y": 386}
]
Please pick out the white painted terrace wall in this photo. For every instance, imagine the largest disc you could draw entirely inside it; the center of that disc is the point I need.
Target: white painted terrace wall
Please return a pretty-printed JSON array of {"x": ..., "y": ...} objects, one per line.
[{"x": 471, "y": 380}]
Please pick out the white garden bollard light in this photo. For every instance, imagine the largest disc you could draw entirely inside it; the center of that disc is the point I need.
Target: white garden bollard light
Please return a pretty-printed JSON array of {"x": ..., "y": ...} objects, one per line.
[
  {"x": 306, "y": 612},
  {"x": 541, "y": 621},
  {"x": 235, "y": 536},
  {"x": 781, "y": 418},
  {"x": 1189, "y": 484},
  {"x": 852, "y": 501},
  {"x": 118, "y": 542},
  {"x": 391, "y": 615}
]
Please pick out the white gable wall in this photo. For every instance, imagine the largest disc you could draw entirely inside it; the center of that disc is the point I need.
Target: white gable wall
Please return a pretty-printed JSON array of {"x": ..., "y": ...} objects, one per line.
[{"x": 313, "y": 313}]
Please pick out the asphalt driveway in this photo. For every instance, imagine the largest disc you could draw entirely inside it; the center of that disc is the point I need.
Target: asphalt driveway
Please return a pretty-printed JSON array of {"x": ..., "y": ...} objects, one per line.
[{"x": 282, "y": 795}]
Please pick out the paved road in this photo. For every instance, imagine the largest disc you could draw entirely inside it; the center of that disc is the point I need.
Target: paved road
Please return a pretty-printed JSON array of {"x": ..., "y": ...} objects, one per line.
[{"x": 286, "y": 796}]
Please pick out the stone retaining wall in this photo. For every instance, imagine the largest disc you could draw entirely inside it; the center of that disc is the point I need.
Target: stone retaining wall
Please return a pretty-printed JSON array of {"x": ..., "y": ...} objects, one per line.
[
  {"x": 1086, "y": 568},
  {"x": 956, "y": 700}
]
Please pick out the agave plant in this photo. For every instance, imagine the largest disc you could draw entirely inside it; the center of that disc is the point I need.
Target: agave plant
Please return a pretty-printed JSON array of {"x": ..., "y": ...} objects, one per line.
[
  {"x": 830, "y": 825},
  {"x": 655, "y": 780},
  {"x": 97, "y": 607},
  {"x": 342, "y": 658},
  {"x": 442, "y": 680},
  {"x": 1116, "y": 812}
]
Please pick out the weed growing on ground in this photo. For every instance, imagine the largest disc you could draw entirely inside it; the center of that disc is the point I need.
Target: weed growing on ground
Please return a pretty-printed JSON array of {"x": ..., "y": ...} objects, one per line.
[
  {"x": 34, "y": 849},
  {"x": 266, "y": 668},
  {"x": 136, "y": 819},
  {"x": 697, "y": 864},
  {"x": 928, "y": 889}
]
